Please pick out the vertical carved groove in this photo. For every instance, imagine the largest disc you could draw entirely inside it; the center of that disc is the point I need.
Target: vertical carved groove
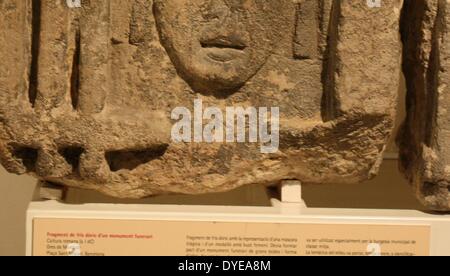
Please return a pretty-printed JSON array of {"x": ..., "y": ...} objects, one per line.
[
  {"x": 75, "y": 74},
  {"x": 415, "y": 14},
  {"x": 35, "y": 41},
  {"x": 330, "y": 102},
  {"x": 433, "y": 75}
]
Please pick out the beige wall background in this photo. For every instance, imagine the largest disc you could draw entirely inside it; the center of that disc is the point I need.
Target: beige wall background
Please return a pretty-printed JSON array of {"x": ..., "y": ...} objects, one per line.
[{"x": 15, "y": 194}]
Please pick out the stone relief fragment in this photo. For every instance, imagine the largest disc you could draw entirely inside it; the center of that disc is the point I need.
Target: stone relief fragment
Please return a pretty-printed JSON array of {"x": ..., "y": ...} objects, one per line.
[
  {"x": 425, "y": 139},
  {"x": 87, "y": 94}
]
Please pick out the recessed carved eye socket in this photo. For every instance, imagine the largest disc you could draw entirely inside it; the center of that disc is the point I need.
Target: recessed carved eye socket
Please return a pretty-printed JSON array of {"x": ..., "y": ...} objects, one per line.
[
  {"x": 25, "y": 154},
  {"x": 131, "y": 159}
]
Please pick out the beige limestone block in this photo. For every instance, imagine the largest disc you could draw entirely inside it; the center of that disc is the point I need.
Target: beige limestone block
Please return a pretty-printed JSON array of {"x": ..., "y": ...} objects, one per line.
[{"x": 87, "y": 93}]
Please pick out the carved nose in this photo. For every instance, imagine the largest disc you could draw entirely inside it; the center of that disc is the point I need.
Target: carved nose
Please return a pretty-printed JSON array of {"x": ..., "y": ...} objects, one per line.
[{"x": 216, "y": 9}]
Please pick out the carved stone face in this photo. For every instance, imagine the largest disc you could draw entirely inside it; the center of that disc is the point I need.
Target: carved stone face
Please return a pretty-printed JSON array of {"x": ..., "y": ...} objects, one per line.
[{"x": 218, "y": 45}]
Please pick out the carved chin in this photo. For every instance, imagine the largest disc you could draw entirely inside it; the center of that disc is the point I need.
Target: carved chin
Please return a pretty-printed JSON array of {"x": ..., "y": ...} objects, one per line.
[
  {"x": 221, "y": 84},
  {"x": 208, "y": 76}
]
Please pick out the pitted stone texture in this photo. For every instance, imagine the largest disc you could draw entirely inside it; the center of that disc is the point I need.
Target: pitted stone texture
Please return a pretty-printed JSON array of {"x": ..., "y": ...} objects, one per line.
[
  {"x": 425, "y": 140},
  {"x": 87, "y": 94}
]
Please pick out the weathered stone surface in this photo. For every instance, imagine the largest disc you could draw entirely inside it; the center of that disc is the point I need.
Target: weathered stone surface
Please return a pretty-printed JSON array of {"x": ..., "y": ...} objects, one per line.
[
  {"x": 425, "y": 139},
  {"x": 87, "y": 94}
]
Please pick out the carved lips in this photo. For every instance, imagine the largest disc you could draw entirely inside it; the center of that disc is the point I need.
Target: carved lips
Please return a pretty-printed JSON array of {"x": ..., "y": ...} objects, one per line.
[{"x": 224, "y": 48}]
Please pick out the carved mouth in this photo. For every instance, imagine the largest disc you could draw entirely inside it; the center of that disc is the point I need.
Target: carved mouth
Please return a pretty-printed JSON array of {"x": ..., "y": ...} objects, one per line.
[
  {"x": 223, "y": 43},
  {"x": 223, "y": 49}
]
